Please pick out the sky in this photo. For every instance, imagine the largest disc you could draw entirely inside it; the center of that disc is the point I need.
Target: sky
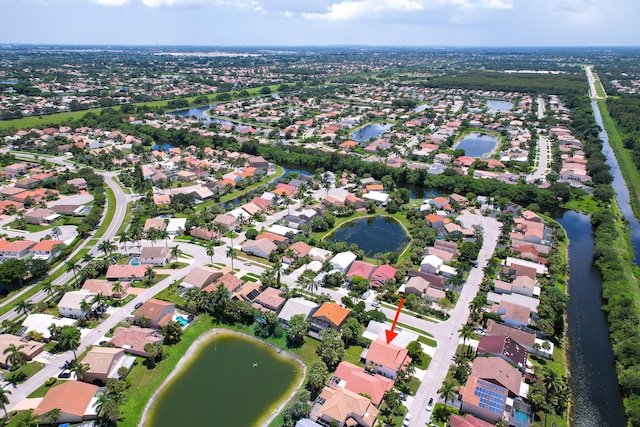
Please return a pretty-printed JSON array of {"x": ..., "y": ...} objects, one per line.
[{"x": 321, "y": 22}]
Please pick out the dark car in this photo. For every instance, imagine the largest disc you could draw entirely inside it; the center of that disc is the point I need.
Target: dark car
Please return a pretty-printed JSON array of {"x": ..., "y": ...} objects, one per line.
[
  {"x": 430, "y": 404},
  {"x": 64, "y": 374},
  {"x": 138, "y": 305}
]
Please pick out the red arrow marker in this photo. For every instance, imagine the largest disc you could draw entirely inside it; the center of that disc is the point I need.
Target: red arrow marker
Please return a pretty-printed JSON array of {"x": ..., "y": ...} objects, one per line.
[{"x": 390, "y": 333}]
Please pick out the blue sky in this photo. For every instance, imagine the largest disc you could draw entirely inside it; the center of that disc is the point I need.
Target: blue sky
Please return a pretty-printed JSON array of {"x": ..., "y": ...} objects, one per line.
[{"x": 322, "y": 22}]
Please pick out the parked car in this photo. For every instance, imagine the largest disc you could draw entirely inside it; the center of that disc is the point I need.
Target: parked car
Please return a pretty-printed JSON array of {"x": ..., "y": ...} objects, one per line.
[
  {"x": 430, "y": 404},
  {"x": 376, "y": 304},
  {"x": 407, "y": 420},
  {"x": 137, "y": 306},
  {"x": 403, "y": 396},
  {"x": 248, "y": 263},
  {"x": 65, "y": 373}
]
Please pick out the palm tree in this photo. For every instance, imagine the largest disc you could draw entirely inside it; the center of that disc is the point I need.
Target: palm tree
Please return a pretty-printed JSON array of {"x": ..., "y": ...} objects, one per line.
[
  {"x": 70, "y": 339},
  {"x": 47, "y": 286},
  {"x": 475, "y": 306},
  {"x": 277, "y": 270},
  {"x": 175, "y": 251},
  {"x": 29, "y": 420},
  {"x": 53, "y": 415},
  {"x": 163, "y": 234},
  {"x": 85, "y": 307},
  {"x": 152, "y": 235},
  {"x": 4, "y": 400},
  {"x": 107, "y": 247},
  {"x": 72, "y": 266},
  {"x": 55, "y": 232},
  {"x": 466, "y": 333},
  {"x": 86, "y": 258},
  {"x": 124, "y": 238},
  {"x": 79, "y": 369},
  {"x": 447, "y": 392},
  {"x": 149, "y": 274},
  {"x": 231, "y": 254},
  {"x": 211, "y": 248},
  {"x": 23, "y": 306},
  {"x": 307, "y": 283},
  {"x": 15, "y": 356},
  {"x": 117, "y": 288}
]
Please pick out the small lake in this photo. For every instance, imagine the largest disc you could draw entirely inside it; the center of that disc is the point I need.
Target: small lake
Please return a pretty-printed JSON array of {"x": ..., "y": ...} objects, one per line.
[
  {"x": 498, "y": 106},
  {"x": 373, "y": 234},
  {"x": 221, "y": 386},
  {"x": 372, "y": 130},
  {"x": 200, "y": 113},
  {"x": 477, "y": 144}
]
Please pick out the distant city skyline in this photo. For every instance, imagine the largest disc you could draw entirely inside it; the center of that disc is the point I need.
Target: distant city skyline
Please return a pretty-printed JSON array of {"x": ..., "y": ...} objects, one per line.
[{"x": 321, "y": 22}]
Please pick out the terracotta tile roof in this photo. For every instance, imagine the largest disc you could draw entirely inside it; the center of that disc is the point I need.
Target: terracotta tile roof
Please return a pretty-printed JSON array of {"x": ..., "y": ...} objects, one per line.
[
  {"x": 362, "y": 269},
  {"x": 332, "y": 313},
  {"x": 499, "y": 371},
  {"x": 45, "y": 245},
  {"x": 388, "y": 355},
  {"x": 71, "y": 397},
  {"x": 359, "y": 381},
  {"x": 467, "y": 421},
  {"x": 152, "y": 309},
  {"x": 341, "y": 405}
]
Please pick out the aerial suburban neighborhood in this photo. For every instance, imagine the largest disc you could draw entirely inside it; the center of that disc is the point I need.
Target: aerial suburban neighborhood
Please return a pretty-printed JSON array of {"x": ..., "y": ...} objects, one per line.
[{"x": 388, "y": 233}]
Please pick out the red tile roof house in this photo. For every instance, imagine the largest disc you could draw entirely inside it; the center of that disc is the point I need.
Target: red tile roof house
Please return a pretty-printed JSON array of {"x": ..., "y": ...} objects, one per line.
[
  {"x": 46, "y": 249},
  {"x": 353, "y": 378},
  {"x": 355, "y": 201},
  {"x": 382, "y": 274},
  {"x": 125, "y": 273},
  {"x": 105, "y": 287},
  {"x": 10, "y": 207},
  {"x": 229, "y": 281},
  {"x": 270, "y": 299},
  {"x": 504, "y": 347},
  {"x": 16, "y": 250},
  {"x": 74, "y": 399},
  {"x": 133, "y": 339},
  {"x": 386, "y": 359},
  {"x": 157, "y": 312},
  {"x": 360, "y": 268}
]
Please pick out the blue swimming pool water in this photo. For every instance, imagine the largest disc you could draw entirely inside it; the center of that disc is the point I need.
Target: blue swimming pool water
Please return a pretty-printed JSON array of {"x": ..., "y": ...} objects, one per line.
[
  {"x": 522, "y": 416},
  {"x": 135, "y": 262},
  {"x": 182, "y": 320}
]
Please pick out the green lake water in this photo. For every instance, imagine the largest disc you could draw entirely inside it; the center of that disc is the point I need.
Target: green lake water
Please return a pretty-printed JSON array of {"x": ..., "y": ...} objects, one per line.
[{"x": 221, "y": 386}]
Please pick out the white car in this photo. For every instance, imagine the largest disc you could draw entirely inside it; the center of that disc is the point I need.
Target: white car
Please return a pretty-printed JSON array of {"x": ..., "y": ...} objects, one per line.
[
  {"x": 407, "y": 420},
  {"x": 375, "y": 304},
  {"x": 430, "y": 404}
]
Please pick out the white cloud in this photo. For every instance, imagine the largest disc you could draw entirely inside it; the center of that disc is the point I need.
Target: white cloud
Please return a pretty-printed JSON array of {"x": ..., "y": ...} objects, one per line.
[
  {"x": 175, "y": 3},
  {"x": 481, "y": 4},
  {"x": 348, "y": 10},
  {"x": 110, "y": 2}
]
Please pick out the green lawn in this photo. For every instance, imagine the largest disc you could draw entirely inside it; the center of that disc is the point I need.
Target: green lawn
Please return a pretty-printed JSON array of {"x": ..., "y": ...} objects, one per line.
[
  {"x": 111, "y": 210},
  {"x": 352, "y": 355},
  {"x": 125, "y": 220},
  {"x": 29, "y": 370},
  {"x": 43, "y": 389},
  {"x": 171, "y": 296}
]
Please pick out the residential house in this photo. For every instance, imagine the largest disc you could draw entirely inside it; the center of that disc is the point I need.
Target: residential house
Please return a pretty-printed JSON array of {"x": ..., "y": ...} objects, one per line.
[
  {"x": 382, "y": 274},
  {"x": 343, "y": 261},
  {"x": 126, "y": 273},
  {"x": 513, "y": 315},
  {"x": 434, "y": 280},
  {"x": 186, "y": 176},
  {"x": 41, "y": 216},
  {"x": 341, "y": 407},
  {"x": 15, "y": 250},
  {"x": 446, "y": 257},
  {"x": 484, "y": 400},
  {"x": 8, "y": 207},
  {"x": 329, "y": 315},
  {"x": 134, "y": 338},
  {"x": 200, "y": 277},
  {"x": 176, "y": 226},
  {"x": 524, "y": 338},
  {"x": 386, "y": 359},
  {"x": 504, "y": 347},
  {"x": 354, "y": 378},
  {"x": 461, "y": 201},
  {"x": 105, "y": 287},
  {"x": 29, "y": 347},
  {"x": 157, "y": 223},
  {"x": 229, "y": 222},
  {"x": 230, "y": 282},
  {"x": 71, "y": 303},
  {"x": 321, "y": 255},
  {"x": 79, "y": 183},
  {"x": 104, "y": 363},
  {"x": 431, "y": 264},
  {"x": 46, "y": 249},
  {"x": 499, "y": 372},
  {"x": 74, "y": 400},
  {"x": 260, "y": 248},
  {"x": 269, "y": 299},
  {"x": 295, "y": 306},
  {"x": 156, "y": 312},
  {"x": 161, "y": 199},
  {"x": 158, "y": 256},
  {"x": 361, "y": 269},
  {"x": 422, "y": 288},
  {"x": 355, "y": 202}
]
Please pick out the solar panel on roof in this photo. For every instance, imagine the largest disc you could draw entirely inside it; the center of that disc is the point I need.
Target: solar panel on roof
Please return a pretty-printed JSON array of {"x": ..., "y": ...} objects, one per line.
[{"x": 492, "y": 397}]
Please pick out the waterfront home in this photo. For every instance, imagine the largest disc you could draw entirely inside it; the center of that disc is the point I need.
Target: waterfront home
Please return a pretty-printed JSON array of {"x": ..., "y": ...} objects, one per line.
[
  {"x": 200, "y": 277},
  {"x": 483, "y": 399},
  {"x": 134, "y": 338},
  {"x": 354, "y": 378},
  {"x": 504, "y": 347},
  {"x": 341, "y": 407},
  {"x": 467, "y": 421},
  {"x": 361, "y": 269},
  {"x": 295, "y": 306},
  {"x": 154, "y": 313},
  {"x": 329, "y": 315},
  {"x": 500, "y": 372},
  {"x": 270, "y": 299},
  {"x": 74, "y": 400},
  {"x": 382, "y": 274},
  {"x": 343, "y": 261}
]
